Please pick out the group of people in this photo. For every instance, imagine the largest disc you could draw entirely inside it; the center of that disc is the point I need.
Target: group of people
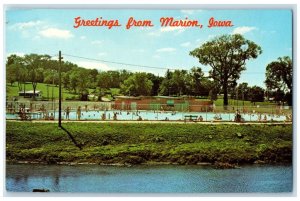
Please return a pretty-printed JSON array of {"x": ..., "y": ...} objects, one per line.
[
  {"x": 218, "y": 117},
  {"x": 262, "y": 117},
  {"x": 22, "y": 113}
]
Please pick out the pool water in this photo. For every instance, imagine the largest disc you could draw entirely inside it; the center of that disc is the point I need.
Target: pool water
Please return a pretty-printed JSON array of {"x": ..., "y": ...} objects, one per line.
[{"x": 153, "y": 116}]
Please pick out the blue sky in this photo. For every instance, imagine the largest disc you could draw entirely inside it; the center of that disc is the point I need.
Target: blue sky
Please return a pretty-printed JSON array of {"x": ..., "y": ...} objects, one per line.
[{"x": 46, "y": 31}]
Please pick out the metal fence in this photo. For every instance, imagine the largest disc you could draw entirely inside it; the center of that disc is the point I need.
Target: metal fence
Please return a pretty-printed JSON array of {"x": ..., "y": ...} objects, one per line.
[{"x": 177, "y": 112}]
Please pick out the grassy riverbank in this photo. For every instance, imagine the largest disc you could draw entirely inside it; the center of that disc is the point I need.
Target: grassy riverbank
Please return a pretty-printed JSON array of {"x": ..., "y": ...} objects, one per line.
[{"x": 148, "y": 143}]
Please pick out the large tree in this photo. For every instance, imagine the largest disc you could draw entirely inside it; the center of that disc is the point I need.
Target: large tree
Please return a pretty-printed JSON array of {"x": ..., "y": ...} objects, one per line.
[
  {"x": 74, "y": 80},
  {"x": 178, "y": 82},
  {"x": 103, "y": 82},
  {"x": 227, "y": 56},
  {"x": 11, "y": 73},
  {"x": 279, "y": 76},
  {"x": 65, "y": 79},
  {"x": 165, "y": 86},
  {"x": 34, "y": 63},
  {"x": 194, "y": 86},
  {"x": 137, "y": 84},
  {"x": 16, "y": 70},
  {"x": 242, "y": 91},
  {"x": 256, "y": 94},
  {"x": 156, "y": 80}
]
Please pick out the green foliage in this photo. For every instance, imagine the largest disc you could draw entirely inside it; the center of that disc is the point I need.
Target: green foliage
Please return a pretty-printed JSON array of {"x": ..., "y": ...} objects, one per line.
[
  {"x": 182, "y": 82},
  {"x": 45, "y": 88},
  {"x": 227, "y": 56},
  {"x": 156, "y": 80},
  {"x": 157, "y": 142},
  {"x": 16, "y": 71},
  {"x": 257, "y": 94},
  {"x": 137, "y": 84},
  {"x": 213, "y": 96},
  {"x": 279, "y": 76},
  {"x": 37, "y": 69}
]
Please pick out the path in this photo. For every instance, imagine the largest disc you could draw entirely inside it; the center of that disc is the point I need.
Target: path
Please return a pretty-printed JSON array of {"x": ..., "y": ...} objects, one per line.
[{"x": 161, "y": 122}]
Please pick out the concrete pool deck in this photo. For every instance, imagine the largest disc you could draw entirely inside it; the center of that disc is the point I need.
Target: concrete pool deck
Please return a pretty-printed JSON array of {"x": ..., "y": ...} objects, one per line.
[{"x": 154, "y": 122}]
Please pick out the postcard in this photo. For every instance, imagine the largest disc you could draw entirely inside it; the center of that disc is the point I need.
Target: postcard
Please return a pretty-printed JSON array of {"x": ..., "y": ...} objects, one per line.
[{"x": 132, "y": 100}]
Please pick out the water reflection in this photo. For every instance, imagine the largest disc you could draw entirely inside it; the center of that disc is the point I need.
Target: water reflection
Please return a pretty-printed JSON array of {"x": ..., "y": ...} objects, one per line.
[{"x": 150, "y": 179}]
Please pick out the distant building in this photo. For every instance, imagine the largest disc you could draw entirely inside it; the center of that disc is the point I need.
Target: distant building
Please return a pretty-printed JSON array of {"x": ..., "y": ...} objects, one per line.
[
  {"x": 29, "y": 94},
  {"x": 165, "y": 103}
]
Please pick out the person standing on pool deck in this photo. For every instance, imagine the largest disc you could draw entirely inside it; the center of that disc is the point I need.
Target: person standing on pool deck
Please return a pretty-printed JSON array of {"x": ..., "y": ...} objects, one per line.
[
  {"x": 68, "y": 113},
  {"x": 78, "y": 113}
]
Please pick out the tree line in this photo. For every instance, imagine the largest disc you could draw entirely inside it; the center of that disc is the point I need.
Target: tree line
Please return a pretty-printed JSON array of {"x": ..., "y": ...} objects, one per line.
[
  {"x": 34, "y": 69},
  {"x": 226, "y": 55}
]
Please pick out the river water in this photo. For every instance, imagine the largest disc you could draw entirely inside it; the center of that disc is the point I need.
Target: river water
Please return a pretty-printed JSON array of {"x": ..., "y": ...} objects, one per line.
[{"x": 148, "y": 179}]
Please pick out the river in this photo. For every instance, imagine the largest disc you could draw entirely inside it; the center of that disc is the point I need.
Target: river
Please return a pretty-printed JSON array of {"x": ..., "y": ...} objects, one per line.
[{"x": 148, "y": 179}]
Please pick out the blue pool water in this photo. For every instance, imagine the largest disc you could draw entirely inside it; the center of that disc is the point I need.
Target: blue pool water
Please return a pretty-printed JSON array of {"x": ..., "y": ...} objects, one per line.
[{"x": 150, "y": 115}]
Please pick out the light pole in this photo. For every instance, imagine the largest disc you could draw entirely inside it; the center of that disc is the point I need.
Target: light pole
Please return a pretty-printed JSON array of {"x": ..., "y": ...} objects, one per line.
[
  {"x": 53, "y": 90},
  {"x": 59, "y": 91},
  {"x": 244, "y": 48}
]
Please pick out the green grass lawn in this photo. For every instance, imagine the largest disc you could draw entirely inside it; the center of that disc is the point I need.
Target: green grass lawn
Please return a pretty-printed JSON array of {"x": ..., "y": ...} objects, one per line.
[
  {"x": 142, "y": 143},
  {"x": 13, "y": 90},
  {"x": 240, "y": 103},
  {"x": 47, "y": 93},
  {"x": 233, "y": 105},
  {"x": 46, "y": 89}
]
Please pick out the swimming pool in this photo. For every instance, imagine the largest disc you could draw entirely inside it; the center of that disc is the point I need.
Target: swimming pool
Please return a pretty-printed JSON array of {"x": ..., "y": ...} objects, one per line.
[{"x": 154, "y": 116}]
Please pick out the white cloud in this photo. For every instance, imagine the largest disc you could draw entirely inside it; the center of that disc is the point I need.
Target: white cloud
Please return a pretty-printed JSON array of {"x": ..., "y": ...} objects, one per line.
[
  {"x": 243, "y": 30},
  {"x": 28, "y": 29},
  {"x": 36, "y": 29},
  {"x": 166, "y": 49},
  {"x": 154, "y": 33},
  {"x": 189, "y": 12},
  {"x": 96, "y": 42},
  {"x": 177, "y": 30},
  {"x": 139, "y": 50},
  {"x": 211, "y": 36},
  {"x": 169, "y": 29},
  {"x": 26, "y": 25},
  {"x": 56, "y": 33},
  {"x": 20, "y": 54},
  {"x": 101, "y": 54},
  {"x": 36, "y": 38},
  {"x": 82, "y": 37},
  {"x": 156, "y": 56},
  {"x": 186, "y": 44},
  {"x": 93, "y": 65},
  {"x": 200, "y": 42}
]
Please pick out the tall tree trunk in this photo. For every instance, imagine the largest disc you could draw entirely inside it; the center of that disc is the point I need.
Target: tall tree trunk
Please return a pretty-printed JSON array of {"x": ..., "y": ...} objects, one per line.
[
  {"x": 20, "y": 86},
  {"x": 34, "y": 84},
  {"x": 290, "y": 98}
]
